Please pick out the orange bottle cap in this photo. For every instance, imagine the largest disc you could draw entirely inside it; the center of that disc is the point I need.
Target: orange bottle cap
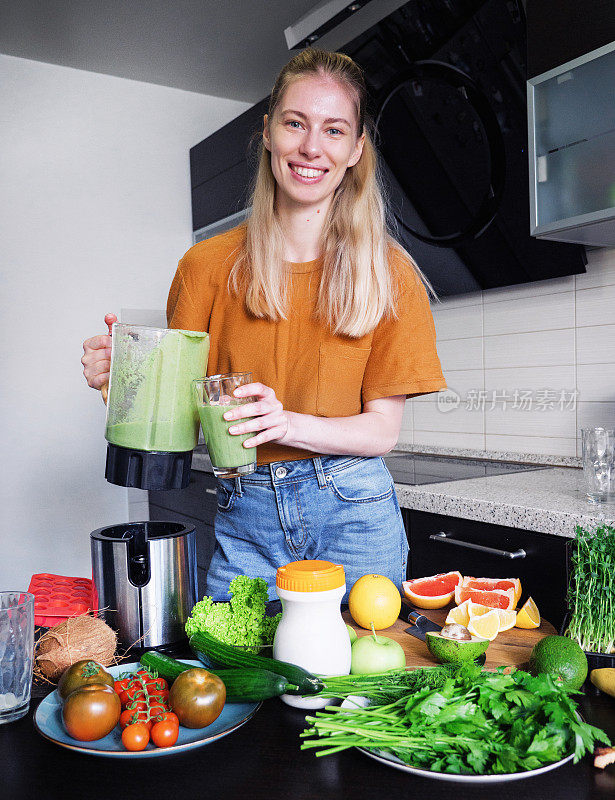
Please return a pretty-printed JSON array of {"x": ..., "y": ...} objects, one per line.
[{"x": 310, "y": 576}]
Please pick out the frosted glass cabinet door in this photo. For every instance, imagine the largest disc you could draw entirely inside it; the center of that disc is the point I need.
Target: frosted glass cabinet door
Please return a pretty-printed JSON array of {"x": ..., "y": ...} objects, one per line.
[{"x": 571, "y": 112}]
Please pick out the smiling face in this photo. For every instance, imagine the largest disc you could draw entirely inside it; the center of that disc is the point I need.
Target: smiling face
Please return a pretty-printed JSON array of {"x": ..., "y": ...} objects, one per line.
[{"x": 312, "y": 138}]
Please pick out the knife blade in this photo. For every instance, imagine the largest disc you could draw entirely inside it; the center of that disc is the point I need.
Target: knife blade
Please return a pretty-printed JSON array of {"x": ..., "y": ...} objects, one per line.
[{"x": 420, "y": 625}]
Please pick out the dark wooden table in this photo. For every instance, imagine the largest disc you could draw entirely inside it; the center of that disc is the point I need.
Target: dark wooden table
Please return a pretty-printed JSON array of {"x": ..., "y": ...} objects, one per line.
[{"x": 262, "y": 760}]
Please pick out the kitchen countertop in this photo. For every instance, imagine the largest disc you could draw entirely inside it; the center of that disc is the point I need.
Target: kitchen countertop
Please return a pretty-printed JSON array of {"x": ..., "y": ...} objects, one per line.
[
  {"x": 262, "y": 761},
  {"x": 550, "y": 500}
]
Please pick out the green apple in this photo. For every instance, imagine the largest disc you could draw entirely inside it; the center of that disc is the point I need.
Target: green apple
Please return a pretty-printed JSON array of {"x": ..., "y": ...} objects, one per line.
[
  {"x": 353, "y": 634},
  {"x": 376, "y": 654}
]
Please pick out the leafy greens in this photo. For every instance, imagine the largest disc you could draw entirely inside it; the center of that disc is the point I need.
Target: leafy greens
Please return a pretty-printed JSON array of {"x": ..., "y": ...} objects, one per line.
[{"x": 475, "y": 723}]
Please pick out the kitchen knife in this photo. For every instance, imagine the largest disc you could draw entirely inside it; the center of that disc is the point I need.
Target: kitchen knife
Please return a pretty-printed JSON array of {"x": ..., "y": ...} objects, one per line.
[{"x": 420, "y": 625}]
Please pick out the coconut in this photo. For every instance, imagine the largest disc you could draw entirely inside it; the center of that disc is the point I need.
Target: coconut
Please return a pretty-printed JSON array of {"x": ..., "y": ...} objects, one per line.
[{"x": 82, "y": 637}]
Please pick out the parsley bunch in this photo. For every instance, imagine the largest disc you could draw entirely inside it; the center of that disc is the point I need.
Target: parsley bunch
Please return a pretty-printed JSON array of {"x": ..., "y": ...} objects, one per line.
[{"x": 477, "y": 723}]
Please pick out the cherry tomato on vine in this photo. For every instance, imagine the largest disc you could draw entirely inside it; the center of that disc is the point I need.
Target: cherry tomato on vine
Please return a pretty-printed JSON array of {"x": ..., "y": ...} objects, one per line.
[
  {"x": 135, "y": 737},
  {"x": 164, "y": 734},
  {"x": 167, "y": 716}
]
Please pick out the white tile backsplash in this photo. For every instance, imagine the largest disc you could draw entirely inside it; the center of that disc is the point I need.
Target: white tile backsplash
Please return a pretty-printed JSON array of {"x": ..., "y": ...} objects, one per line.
[
  {"x": 458, "y": 322},
  {"x": 596, "y": 344},
  {"x": 444, "y": 417},
  {"x": 537, "y": 349},
  {"x": 600, "y": 269},
  {"x": 533, "y": 313},
  {"x": 528, "y": 290},
  {"x": 546, "y": 338},
  {"x": 473, "y": 441},
  {"x": 458, "y": 354},
  {"x": 531, "y": 444},
  {"x": 596, "y": 382},
  {"x": 596, "y": 306}
]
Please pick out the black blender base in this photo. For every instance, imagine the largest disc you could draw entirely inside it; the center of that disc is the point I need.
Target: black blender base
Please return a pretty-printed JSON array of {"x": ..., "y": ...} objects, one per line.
[{"x": 142, "y": 469}]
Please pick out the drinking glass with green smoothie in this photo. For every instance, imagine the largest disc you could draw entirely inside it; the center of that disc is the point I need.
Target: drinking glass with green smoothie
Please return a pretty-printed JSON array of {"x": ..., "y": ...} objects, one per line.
[{"x": 214, "y": 397}]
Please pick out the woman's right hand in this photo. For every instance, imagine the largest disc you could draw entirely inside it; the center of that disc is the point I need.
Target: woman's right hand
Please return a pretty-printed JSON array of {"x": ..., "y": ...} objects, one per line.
[{"x": 96, "y": 358}]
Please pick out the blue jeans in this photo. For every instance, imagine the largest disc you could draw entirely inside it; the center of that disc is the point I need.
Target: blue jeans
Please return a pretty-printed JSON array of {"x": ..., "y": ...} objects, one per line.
[{"x": 336, "y": 508}]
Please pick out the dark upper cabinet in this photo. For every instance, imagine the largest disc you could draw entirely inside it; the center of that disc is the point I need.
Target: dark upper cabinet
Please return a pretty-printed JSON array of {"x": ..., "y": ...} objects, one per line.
[
  {"x": 560, "y": 30},
  {"x": 222, "y": 165}
]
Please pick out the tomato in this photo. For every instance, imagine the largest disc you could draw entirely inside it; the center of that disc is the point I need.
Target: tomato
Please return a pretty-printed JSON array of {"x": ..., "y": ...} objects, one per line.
[
  {"x": 164, "y": 734},
  {"x": 197, "y": 697},
  {"x": 91, "y": 712},
  {"x": 82, "y": 673},
  {"x": 167, "y": 716},
  {"x": 135, "y": 737}
]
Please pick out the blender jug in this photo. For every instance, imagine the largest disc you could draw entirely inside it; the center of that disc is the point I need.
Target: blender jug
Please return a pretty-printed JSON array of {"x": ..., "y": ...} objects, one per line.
[
  {"x": 152, "y": 422},
  {"x": 145, "y": 579}
]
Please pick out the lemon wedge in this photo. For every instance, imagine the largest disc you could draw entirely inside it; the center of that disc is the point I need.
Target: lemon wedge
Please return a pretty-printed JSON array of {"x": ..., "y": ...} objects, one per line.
[
  {"x": 485, "y": 626},
  {"x": 508, "y": 617},
  {"x": 459, "y": 614},
  {"x": 528, "y": 616},
  {"x": 477, "y": 610}
]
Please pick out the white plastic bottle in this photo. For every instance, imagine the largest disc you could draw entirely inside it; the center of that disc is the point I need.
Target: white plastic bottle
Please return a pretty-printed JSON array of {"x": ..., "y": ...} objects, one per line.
[{"x": 312, "y": 633}]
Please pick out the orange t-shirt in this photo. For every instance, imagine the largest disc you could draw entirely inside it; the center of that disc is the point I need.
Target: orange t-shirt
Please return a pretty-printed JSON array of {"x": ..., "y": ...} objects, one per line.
[{"x": 311, "y": 370}]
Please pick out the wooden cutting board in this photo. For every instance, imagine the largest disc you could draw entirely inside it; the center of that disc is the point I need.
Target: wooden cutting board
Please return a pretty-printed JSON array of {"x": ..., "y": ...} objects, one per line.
[{"x": 512, "y": 647}]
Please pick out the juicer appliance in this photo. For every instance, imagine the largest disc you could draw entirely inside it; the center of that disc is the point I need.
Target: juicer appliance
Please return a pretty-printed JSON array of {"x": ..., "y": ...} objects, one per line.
[{"x": 145, "y": 578}]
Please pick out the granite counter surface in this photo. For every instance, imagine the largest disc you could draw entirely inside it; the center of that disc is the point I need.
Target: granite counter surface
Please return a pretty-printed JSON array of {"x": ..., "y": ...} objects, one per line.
[{"x": 548, "y": 500}]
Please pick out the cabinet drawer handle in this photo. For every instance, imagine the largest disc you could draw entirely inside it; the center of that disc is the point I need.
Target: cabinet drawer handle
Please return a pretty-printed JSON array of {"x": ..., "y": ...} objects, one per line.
[
  {"x": 211, "y": 491},
  {"x": 446, "y": 537}
]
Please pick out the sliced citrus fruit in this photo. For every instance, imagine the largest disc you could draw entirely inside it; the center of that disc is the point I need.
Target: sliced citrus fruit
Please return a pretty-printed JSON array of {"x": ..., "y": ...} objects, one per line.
[
  {"x": 476, "y": 609},
  {"x": 528, "y": 616},
  {"x": 508, "y": 617},
  {"x": 435, "y": 591},
  {"x": 459, "y": 614},
  {"x": 493, "y": 583},
  {"x": 487, "y": 626},
  {"x": 495, "y": 598}
]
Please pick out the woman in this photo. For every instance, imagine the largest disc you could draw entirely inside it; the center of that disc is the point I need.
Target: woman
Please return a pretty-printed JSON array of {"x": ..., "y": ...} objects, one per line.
[{"x": 330, "y": 315}]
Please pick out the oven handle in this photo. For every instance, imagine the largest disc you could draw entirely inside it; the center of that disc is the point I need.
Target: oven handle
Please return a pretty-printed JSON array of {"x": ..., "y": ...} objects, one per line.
[{"x": 493, "y": 551}]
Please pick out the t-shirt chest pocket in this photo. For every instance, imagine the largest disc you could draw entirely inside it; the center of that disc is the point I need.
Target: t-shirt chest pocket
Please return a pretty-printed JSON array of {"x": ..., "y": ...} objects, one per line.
[{"x": 340, "y": 378}]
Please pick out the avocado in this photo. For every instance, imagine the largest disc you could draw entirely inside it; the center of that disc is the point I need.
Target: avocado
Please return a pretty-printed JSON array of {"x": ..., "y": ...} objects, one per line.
[
  {"x": 562, "y": 658},
  {"x": 455, "y": 651}
]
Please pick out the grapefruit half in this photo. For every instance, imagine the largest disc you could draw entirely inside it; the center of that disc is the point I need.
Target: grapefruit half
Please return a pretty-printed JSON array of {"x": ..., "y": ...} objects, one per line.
[
  {"x": 494, "y": 583},
  {"x": 435, "y": 591}
]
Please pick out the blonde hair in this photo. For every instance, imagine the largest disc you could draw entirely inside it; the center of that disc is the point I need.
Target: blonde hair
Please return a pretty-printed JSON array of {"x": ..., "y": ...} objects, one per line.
[{"x": 357, "y": 288}]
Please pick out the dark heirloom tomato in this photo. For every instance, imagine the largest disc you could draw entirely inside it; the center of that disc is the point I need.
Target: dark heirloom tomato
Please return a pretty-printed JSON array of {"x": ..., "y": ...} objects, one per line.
[
  {"x": 91, "y": 712},
  {"x": 81, "y": 673},
  {"x": 197, "y": 697}
]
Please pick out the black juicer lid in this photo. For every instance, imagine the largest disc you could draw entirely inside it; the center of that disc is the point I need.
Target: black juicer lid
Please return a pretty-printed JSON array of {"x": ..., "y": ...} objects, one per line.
[{"x": 142, "y": 469}]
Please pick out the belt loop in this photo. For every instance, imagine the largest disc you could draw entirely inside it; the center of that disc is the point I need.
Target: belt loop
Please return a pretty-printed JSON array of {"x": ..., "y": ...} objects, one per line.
[
  {"x": 238, "y": 486},
  {"x": 320, "y": 473}
]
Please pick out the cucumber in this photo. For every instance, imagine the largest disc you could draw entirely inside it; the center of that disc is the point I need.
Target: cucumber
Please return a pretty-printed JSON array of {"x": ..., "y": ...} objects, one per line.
[
  {"x": 228, "y": 656},
  {"x": 242, "y": 685}
]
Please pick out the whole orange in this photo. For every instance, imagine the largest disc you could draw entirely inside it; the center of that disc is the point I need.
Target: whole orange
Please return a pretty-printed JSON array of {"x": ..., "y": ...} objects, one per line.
[{"x": 374, "y": 599}]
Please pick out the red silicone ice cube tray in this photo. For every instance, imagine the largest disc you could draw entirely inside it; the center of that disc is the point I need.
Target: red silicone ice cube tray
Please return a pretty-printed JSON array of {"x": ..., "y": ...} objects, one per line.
[{"x": 58, "y": 597}]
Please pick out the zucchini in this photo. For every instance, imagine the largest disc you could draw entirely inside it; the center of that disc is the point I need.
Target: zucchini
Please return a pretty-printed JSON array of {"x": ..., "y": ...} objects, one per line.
[
  {"x": 242, "y": 685},
  {"x": 228, "y": 656}
]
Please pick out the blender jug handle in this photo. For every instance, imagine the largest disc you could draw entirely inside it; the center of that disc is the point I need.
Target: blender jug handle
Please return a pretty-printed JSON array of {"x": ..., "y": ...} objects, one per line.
[
  {"x": 104, "y": 389},
  {"x": 138, "y": 557}
]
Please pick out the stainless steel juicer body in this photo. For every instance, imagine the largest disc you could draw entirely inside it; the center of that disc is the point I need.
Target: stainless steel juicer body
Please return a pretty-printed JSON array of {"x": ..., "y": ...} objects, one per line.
[{"x": 145, "y": 576}]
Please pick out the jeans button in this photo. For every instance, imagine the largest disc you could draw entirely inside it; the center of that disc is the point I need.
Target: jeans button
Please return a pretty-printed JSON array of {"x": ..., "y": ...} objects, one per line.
[{"x": 281, "y": 472}]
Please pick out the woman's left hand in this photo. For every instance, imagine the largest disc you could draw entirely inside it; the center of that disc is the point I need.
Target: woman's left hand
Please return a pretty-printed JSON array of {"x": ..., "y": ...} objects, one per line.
[{"x": 267, "y": 415}]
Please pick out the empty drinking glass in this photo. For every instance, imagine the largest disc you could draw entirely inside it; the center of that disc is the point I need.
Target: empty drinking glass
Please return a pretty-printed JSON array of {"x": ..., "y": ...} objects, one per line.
[
  {"x": 599, "y": 464},
  {"x": 16, "y": 653}
]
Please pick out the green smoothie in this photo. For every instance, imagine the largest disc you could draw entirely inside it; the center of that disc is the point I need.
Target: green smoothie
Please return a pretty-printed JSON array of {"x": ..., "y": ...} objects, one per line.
[
  {"x": 225, "y": 450},
  {"x": 150, "y": 405}
]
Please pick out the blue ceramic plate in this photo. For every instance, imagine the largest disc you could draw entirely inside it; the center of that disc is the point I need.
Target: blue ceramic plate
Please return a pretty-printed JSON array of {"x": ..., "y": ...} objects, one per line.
[{"x": 48, "y": 722}]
